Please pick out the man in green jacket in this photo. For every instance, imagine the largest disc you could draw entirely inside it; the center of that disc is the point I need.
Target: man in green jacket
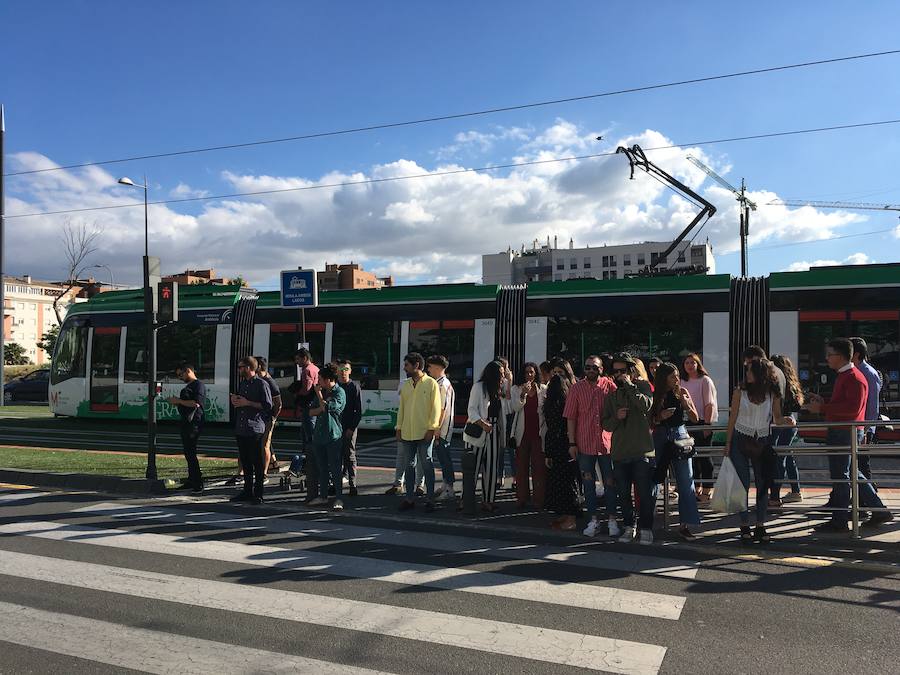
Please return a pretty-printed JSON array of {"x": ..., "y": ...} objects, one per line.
[{"x": 626, "y": 413}]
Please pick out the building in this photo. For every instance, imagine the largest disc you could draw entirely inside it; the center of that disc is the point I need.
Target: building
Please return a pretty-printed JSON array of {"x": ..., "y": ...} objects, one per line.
[
  {"x": 190, "y": 277},
  {"x": 28, "y": 312},
  {"x": 346, "y": 277},
  {"x": 548, "y": 263}
]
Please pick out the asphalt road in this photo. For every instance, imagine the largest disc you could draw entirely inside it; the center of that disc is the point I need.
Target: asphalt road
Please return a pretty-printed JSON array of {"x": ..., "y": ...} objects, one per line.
[{"x": 92, "y": 584}]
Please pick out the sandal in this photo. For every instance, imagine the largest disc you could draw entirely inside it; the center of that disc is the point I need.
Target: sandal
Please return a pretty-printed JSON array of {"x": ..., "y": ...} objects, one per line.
[{"x": 746, "y": 535}]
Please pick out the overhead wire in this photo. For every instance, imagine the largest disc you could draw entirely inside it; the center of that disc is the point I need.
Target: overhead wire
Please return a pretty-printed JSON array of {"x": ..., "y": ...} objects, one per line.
[
  {"x": 463, "y": 115},
  {"x": 450, "y": 172}
]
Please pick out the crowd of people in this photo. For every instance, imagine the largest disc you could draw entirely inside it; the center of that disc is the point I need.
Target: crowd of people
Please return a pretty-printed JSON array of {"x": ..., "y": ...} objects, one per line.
[{"x": 598, "y": 447}]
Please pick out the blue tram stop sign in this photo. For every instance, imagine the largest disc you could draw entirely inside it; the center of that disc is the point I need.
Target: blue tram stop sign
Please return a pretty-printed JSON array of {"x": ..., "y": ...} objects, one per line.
[{"x": 299, "y": 289}]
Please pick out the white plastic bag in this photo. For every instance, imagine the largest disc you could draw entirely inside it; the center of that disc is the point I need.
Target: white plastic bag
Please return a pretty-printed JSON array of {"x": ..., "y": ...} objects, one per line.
[{"x": 729, "y": 494}]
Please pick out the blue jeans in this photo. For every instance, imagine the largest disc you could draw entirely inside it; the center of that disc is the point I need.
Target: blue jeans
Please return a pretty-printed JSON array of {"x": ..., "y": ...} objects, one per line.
[
  {"x": 306, "y": 426},
  {"x": 786, "y": 465},
  {"x": 587, "y": 466},
  {"x": 839, "y": 469},
  {"x": 442, "y": 450},
  {"x": 420, "y": 450},
  {"x": 638, "y": 473},
  {"x": 330, "y": 464},
  {"x": 762, "y": 474},
  {"x": 688, "y": 513}
]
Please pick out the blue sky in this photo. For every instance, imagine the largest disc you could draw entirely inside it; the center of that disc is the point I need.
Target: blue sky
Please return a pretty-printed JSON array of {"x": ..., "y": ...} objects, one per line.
[{"x": 88, "y": 81}]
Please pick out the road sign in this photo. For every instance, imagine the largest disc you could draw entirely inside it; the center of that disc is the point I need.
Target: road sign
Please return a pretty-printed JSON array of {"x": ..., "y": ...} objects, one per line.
[{"x": 299, "y": 289}]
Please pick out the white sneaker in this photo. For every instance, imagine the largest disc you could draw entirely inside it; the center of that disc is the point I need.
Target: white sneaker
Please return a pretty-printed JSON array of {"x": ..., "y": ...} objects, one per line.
[
  {"x": 614, "y": 530},
  {"x": 599, "y": 490},
  {"x": 318, "y": 501},
  {"x": 266, "y": 480},
  {"x": 345, "y": 481},
  {"x": 338, "y": 505},
  {"x": 591, "y": 529},
  {"x": 627, "y": 536},
  {"x": 646, "y": 537}
]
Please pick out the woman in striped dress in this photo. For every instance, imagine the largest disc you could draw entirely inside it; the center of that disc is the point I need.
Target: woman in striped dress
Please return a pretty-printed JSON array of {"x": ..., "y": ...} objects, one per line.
[{"x": 487, "y": 411}]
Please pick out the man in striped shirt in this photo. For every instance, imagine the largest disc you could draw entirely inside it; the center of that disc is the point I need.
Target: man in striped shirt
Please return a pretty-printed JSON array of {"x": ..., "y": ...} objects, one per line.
[{"x": 437, "y": 368}]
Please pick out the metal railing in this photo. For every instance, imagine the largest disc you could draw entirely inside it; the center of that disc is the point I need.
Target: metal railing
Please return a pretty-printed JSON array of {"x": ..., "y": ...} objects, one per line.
[{"x": 853, "y": 448}]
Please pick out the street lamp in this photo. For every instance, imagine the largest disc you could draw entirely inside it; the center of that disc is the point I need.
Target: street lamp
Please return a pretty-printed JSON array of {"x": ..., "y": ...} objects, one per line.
[
  {"x": 150, "y": 344},
  {"x": 112, "y": 283}
]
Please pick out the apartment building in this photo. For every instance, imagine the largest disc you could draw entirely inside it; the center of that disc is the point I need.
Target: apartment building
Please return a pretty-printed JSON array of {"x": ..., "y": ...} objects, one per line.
[
  {"x": 350, "y": 276},
  {"x": 28, "y": 312}
]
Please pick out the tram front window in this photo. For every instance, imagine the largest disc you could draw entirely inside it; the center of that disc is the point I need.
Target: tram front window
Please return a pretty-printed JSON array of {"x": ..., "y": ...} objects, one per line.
[
  {"x": 69, "y": 357},
  {"x": 373, "y": 347}
]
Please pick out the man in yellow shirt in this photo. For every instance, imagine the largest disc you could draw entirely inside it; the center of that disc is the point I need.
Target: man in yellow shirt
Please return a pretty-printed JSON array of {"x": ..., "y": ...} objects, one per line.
[{"x": 418, "y": 419}]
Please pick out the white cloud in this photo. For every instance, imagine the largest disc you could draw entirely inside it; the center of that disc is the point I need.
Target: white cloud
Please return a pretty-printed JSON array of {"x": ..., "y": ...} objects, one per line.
[
  {"x": 852, "y": 259},
  {"x": 429, "y": 228},
  {"x": 183, "y": 190}
]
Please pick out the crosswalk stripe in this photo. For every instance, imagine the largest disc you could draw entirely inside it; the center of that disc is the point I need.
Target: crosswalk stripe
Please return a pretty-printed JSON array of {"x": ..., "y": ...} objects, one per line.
[
  {"x": 496, "y": 637},
  {"x": 600, "y": 598},
  {"x": 589, "y": 554},
  {"x": 20, "y": 496},
  {"x": 147, "y": 650}
]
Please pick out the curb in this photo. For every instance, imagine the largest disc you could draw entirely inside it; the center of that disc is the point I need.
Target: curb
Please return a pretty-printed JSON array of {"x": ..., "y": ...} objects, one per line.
[{"x": 85, "y": 481}]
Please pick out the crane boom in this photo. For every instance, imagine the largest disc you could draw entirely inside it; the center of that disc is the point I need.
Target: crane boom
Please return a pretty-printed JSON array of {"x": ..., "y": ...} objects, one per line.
[
  {"x": 637, "y": 158},
  {"x": 721, "y": 181},
  {"x": 865, "y": 206}
]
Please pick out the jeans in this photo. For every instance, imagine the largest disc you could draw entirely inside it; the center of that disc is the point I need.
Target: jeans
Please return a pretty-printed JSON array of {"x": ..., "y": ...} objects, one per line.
[
  {"x": 839, "y": 469},
  {"x": 786, "y": 465},
  {"x": 400, "y": 469},
  {"x": 442, "y": 450},
  {"x": 306, "y": 426},
  {"x": 329, "y": 461},
  {"x": 587, "y": 466},
  {"x": 530, "y": 458},
  {"x": 420, "y": 450},
  {"x": 250, "y": 450},
  {"x": 349, "y": 456},
  {"x": 190, "y": 434},
  {"x": 763, "y": 468},
  {"x": 688, "y": 513},
  {"x": 636, "y": 472}
]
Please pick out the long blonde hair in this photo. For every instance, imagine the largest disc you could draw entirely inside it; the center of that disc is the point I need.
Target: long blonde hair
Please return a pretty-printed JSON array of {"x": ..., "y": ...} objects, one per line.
[{"x": 641, "y": 370}]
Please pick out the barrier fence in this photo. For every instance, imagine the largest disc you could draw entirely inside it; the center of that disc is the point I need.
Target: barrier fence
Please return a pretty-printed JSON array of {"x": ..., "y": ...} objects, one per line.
[{"x": 855, "y": 448}]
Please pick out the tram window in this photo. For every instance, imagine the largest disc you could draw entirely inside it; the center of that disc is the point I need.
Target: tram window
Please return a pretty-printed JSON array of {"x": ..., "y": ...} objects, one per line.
[
  {"x": 373, "y": 347},
  {"x": 815, "y": 375},
  {"x": 177, "y": 343},
  {"x": 105, "y": 369},
  {"x": 69, "y": 358},
  {"x": 135, "y": 346},
  {"x": 883, "y": 341},
  {"x": 283, "y": 341},
  {"x": 456, "y": 341}
]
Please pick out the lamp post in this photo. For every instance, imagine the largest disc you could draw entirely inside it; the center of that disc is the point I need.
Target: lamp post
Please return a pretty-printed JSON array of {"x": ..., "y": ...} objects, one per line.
[
  {"x": 112, "y": 283},
  {"x": 150, "y": 344}
]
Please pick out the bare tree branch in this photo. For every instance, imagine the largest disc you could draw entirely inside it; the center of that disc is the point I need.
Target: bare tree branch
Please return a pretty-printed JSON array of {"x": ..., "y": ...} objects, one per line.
[{"x": 79, "y": 243}]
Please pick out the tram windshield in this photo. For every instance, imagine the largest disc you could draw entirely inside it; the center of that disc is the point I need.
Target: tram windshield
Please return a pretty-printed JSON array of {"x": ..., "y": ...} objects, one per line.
[{"x": 71, "y": 349}]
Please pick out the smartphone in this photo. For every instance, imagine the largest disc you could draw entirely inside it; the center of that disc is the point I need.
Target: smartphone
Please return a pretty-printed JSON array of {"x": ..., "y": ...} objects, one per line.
[{"x": 671, "y": 410}]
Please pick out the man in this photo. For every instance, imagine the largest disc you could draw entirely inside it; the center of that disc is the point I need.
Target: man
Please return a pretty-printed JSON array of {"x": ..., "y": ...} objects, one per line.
[
  {"x": 626, "y": 413},
  {"x": 418, "y": 420},
  {"x": 437, "y": 369},
  {"x": 873, "y": 379},
  {"x": 544, "y": 367},
  {"x": 263, "y": 372},
  {"x": 252, "y": 407},
  {"x": 583, "y": 411},
  {"x": 350, "y": 419},
  {"x": 400, "y": 465},
  {"x": 847, "y": 404},
  {"x": 757, "y": 353},
  {"x": 190, "y": 403},
  {"x": 304, "y": 396}
]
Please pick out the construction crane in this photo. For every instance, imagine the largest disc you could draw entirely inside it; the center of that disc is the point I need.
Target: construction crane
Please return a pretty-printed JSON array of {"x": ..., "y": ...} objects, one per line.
[
  {"x": 746, "y": 206},
  {"x": 637, "y": 158},
  {"x": 864, "y": 206}
]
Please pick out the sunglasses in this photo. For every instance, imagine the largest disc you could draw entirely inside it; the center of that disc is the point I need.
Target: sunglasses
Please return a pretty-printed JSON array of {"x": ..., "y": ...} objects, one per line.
[{"x": 591, "y": 366}]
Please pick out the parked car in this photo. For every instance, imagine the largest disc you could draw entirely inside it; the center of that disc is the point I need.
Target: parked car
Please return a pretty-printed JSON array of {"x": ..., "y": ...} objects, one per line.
[{"x": 31, "y": 387}]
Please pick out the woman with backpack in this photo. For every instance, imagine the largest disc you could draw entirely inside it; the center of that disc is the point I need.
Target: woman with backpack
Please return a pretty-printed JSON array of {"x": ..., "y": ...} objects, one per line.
[{"x": 786, "y": 465}]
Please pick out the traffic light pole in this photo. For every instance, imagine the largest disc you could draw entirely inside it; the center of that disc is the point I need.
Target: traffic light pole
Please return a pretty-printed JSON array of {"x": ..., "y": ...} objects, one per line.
[{"x": 151, "y": 372}]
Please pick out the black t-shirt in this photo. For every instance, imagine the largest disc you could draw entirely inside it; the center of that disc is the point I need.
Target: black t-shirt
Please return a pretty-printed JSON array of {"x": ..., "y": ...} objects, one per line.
[
  {"x": 193, "y": 391},
  {"x": 274, "y": 389},
  {"x": 677, "y": 418}
]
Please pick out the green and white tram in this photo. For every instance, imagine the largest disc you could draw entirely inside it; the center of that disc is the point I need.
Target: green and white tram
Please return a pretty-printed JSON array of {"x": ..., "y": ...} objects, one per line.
[{"x": 99, "y": 366}]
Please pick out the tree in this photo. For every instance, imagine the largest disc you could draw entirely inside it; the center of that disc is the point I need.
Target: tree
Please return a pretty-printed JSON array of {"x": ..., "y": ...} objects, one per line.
[
  {"x": 79, "y": 242},
  {"x": 14, "y": 355},
  {"x": 48, "y": 340},
  {"x": 239, "y": 281}
]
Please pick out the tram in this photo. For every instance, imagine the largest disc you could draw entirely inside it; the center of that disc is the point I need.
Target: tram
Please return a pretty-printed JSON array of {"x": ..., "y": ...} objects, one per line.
[{"x": 99, "y": 364}]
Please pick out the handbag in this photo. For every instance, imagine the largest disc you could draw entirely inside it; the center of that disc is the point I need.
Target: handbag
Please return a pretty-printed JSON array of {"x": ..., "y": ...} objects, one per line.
[
  {"x": 473, "y": 430},
  {"x": 682, "y": 443}
]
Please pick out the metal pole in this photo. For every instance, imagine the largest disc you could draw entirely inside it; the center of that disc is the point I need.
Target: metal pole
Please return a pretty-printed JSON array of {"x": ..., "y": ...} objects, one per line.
[
  {"x": 665, "y": 503},
  {"x": 2, "y": 280},
  {"x": 854, "y": 483},
  {"x": 151, "y": 350},
  {"x": 303, "y": 325},
  {"x": 743, "y": 246}
]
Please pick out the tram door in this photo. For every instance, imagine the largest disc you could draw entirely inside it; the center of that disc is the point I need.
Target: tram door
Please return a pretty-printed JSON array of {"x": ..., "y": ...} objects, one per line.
[
  {"x": 104, "y": 385},
  {"x": 283, "y": 341}
]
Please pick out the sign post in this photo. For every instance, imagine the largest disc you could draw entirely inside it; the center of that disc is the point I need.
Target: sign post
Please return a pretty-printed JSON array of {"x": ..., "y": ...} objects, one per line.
[{"x": 299, "y": 290}]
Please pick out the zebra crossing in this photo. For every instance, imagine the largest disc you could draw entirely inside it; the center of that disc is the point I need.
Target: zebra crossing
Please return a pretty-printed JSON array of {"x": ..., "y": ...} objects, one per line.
[{"x": 195, "y": 560}]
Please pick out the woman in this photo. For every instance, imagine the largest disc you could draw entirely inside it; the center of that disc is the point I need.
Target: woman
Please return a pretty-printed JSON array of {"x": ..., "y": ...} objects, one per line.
[
  {"x": 486, "y": 411},
  {"x": 786, "y": 465},
  {"x": 640, "y": 373},
  {"x": 699, "y": 384},
  {"x": 528, "y": 429},
  {"x": 562, "y": 468},
  {"x": 754, "y": 404},
  {"x": 652, "y": 364},
  {"x": 509, "y": 443},
  {"x": 327, "y": 440},
  {"x": 672, "y": 407}
]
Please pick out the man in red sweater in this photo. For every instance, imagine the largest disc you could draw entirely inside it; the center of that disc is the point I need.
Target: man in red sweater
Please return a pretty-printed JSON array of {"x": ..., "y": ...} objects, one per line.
[{"x": 847, "y": 404}]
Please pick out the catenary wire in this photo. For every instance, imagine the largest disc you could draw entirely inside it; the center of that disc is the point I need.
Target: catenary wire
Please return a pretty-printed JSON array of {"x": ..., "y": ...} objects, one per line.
[
  {"x": 437, "y": 174},
  {"x": 463, "y": 115},
  {"x": 819, "y": 241}
]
